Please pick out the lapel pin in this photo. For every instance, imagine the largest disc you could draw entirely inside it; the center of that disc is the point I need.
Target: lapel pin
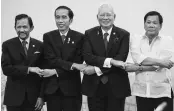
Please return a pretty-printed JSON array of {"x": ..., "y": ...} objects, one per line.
[
  {"x": 98, "y": 32},
  {"x": 116, "y": 39},
  {"x": 114, "y": 33},
  {"x": 33, "y": 45},
  {"x": 68, "y": 40},
  {"x": 72, "y": 42}
]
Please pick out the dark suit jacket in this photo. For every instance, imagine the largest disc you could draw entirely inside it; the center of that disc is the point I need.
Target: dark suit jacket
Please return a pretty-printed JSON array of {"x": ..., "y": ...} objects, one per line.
[
  {"x": 15, "y": 66},
  {"x": 61, "y": 57},
  {"x": 95, "y": 55}
]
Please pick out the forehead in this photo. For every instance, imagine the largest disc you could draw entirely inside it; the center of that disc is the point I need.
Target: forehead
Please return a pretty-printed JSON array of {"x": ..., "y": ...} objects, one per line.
[
  {"x": 23, "y": 21},
  {"x": 105, "y": 9},
  {"x": 61, "y": 12},
  {"x": 152, "y": 18}
]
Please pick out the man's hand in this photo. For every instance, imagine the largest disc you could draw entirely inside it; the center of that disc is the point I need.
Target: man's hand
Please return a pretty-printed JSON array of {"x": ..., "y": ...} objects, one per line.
[
  {"x": 118, "y": 63},
  {"x": 129, "y": 67},
  {"x": 36, "y": 70},
  {"x": 78, "y": 66},
  {"x": 48, "y": 72},
  {"x": 166, "y": 63},
  {"x": 89, "y": 70},
  {"x": 39, "y": 104}
]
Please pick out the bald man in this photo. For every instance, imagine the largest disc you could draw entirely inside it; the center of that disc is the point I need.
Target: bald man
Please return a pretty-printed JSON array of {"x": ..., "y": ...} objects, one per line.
[{"x": 106, "y": 47}]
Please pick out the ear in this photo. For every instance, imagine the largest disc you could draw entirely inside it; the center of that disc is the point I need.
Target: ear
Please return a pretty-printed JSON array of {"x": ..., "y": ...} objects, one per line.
[
  {"x": 114, "y": 16},
  {"x": 97, "y": 16},
  {"x": 161, "y": 26},
  {"x": 31, "y": 28},
  {"x": 71, "y": 20}
]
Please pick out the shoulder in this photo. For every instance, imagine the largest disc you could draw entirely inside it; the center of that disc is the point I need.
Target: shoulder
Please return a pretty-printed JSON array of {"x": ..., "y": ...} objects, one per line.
[
  {"x": 51, "y": 32},
  {"x": 121, "y": 30},
  {"x": 36, "y": 41},
  {"x": 93, "y": 30},
  {"x": 10, "y": 41},
  {"x": 76, "y": 33}
]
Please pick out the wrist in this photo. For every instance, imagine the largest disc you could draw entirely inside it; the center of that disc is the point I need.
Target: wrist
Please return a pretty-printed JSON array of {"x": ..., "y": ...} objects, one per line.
[
  {"x": 73, "y": 66},
  {"x": 140, "y": 68},
  {"x": 111, "y": 62}
]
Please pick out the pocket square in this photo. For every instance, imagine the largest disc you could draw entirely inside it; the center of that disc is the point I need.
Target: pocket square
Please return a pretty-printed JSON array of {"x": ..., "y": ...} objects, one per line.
[{"x": 36, "y": 52}]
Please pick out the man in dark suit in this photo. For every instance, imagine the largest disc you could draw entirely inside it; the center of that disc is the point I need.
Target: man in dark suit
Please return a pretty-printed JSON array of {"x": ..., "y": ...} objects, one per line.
[
  {"x": 63, "y": 50},
  {"x": 21, "y": 58},
  {"x": 106, "y": 48}
]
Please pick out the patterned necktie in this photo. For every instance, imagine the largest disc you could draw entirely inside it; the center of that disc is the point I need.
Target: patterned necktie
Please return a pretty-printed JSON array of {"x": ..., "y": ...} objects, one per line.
[
  {"x": 24, "y": 43},
  {"x": 63, "y": 38},
  {"x": 105, "y": 40}
]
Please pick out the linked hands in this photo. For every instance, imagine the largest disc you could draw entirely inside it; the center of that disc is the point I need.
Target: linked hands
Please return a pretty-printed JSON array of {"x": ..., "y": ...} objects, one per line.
[{"x": 86, "y": 69}]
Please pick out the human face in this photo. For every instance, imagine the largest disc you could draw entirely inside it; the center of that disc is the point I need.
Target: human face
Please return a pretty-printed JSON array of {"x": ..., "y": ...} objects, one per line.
[
  {"x": 106, "y": 17},
  {"x": 152, "y": 26},
  {"x": 62, "y": 20},
  {"x": 23, "y": 28}
]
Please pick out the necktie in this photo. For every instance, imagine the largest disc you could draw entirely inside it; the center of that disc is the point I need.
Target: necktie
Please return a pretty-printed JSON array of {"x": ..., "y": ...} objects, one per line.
[
  {"x": 24, "y": 46},
  {"x": 104, "y": 79},
  {"x": 105, "y": 40},
  {"x": 63, "y": 38}
]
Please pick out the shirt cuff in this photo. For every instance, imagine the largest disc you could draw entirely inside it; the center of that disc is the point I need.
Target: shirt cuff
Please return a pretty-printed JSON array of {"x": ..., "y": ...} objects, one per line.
[
  {"x": 56, "y": 72},
  {"x": 107, "y": 63},
  {"x": 98, "y": 71}
]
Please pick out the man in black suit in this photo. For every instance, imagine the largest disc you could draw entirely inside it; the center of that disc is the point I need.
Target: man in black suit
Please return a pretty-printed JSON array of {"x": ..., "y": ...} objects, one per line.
[
  {"x": 21, "y": 58},
  {"x": 106, "y": 47},
  {"x": 63, "y": 51}
]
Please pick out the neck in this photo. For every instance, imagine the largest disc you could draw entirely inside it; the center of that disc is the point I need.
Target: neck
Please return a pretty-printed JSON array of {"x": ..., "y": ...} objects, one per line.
[
  {"x": 64, "y": 31},
  {"x": 106, "y": 28},
  {"x": 151, "y": 37}
]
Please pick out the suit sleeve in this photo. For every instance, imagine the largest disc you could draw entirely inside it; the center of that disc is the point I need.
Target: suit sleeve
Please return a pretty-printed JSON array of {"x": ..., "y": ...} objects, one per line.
[
  {"x": 98, "y": 61},
  {"x": 79, "y": 51},
  {"x": 8, "y": 68},
  {"x": 124, "y": 48},
  {"x": 54, "y": 60},
  {"x": 89, "y": 57}
]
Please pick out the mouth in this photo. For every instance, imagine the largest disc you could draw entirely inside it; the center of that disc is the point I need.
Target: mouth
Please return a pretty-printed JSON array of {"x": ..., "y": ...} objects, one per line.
[
  {"x": 60, "y": 25},
  {"x": 22, "y": 34}
]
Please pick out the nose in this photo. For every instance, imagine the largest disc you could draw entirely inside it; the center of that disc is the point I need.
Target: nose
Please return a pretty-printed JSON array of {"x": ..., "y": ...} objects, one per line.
[
  {"x": 60, "y": 20},
  {"x": 21, "y": 29},
  {"x": 105, "y": 17},
  {"x": 151, "y": 25}
]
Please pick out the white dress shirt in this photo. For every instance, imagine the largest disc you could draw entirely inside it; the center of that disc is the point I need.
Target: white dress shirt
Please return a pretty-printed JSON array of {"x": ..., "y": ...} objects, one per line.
[
  {"x": 152, "y": 84},
  {"x": 107, "y": 62},
  {"x": 27, "y": 40}
]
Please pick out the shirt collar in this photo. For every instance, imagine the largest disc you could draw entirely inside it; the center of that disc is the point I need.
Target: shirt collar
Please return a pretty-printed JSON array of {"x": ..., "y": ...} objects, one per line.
[
  {"x": 27, "y": 40},
  {"x": 64, "y": 33},
  {"x": 157, "y": 37},
  {"x": 109, "y": 31}
]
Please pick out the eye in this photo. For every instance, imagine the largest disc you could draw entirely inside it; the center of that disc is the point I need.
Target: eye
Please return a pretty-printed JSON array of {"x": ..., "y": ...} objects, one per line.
[
  {"x": 102, "y": 15},
  {"x": 57, "y": 17},
  {"x": 25, "y": 27},
  {"x": 64, "y": 17}
]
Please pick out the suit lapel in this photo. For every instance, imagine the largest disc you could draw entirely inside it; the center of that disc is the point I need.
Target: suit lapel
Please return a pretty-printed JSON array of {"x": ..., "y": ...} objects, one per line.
[
  {"x": 112, "y": 39},
  {"x": 57, "y": 39},
  {"x": 99, "y": 41},
  {"x": 19, "y": 47},
  {"x": 69, "y": 37},
  {"x": 31, "y": 47}
]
